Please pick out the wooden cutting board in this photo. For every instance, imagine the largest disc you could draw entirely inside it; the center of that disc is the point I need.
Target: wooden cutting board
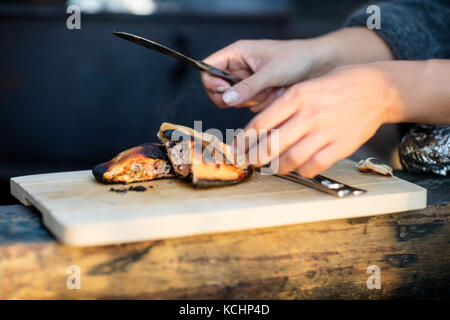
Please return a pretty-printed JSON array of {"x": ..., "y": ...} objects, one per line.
[{"x": 80, "y": 211}]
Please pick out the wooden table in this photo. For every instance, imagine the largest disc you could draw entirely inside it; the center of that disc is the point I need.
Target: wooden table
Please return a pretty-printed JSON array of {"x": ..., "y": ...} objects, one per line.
[{"x": 306, "y": 261}]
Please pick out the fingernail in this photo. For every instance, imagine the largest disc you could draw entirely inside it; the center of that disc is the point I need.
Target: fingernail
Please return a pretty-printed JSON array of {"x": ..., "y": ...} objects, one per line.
[
  {"x": 222, "y": 89},
  {"x": 230, "y": 97}
]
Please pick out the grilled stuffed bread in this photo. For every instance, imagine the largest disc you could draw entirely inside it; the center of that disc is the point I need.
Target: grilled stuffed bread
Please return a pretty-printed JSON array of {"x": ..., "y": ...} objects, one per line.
[{"x": 142, "y": 163}]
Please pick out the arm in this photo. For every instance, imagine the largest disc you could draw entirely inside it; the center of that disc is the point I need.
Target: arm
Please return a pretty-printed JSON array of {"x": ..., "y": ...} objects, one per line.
[
  {"x": 410, "y": 30},
  {"x": 352, "y": 46},
  {"x": 423, "y": 88},
  {"x": 323, "y": 120}
]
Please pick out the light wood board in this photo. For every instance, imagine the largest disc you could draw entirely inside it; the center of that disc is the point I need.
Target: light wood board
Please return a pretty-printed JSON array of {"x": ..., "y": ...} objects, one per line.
[{"x": 80, "y": 211}]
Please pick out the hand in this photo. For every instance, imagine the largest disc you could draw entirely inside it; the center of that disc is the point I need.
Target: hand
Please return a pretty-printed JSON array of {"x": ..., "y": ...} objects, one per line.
[
  {"x": 326, "y": 119},
  {"x": 267, "y": 67}
]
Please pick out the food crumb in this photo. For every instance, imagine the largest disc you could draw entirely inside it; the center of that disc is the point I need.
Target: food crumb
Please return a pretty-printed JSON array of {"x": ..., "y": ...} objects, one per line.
[
  {"x": 370, "y": 167},
  {"x": 125, "y": 190},
  {"x": 120, "y": 190},
  {"x": 138, "y": 189}
]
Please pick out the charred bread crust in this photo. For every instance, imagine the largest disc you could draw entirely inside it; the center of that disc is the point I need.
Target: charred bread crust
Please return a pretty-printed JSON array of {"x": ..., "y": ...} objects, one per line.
[
  {"x": 99, "y": 170},
  {"x": 118, "y": 169},
  {"x": 176, "y": 135},
  {"x": 154, "y": 150},
  {"x": 209, "y": 183}
]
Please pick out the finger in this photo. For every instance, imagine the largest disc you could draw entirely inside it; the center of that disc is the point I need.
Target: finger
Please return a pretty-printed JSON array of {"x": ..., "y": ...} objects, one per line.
[
  {"x": 214, "y": 84},
  {"x": 258, "y": 99},
  {"x": 287, "y": 135},
  {"x": 220, "y": 58},
  {"x": 278, "y": 112},
  {"x": 323, "y": 159},
  {"x": 299, "y": 153},
  {"x": 235, "y": 50},
  {"x": 260, "y": 107},
  {"x": 224, "y": 59},
  {"x": 217, "y": 99},
  {"x": 274, "y": 94},
  {"x": 248, "y": 88}
]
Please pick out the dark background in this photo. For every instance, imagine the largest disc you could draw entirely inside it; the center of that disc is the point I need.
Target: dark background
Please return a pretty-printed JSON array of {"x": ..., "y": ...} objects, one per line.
[{"x": 73, "y": 98}]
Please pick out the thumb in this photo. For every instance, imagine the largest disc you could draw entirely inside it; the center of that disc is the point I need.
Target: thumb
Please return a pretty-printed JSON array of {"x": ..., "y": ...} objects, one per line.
[{"x": 246, "y": 89}]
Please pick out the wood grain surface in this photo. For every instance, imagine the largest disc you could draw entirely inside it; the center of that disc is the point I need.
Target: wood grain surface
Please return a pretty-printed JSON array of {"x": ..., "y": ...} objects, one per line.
[{"x": 306, "y": 261}]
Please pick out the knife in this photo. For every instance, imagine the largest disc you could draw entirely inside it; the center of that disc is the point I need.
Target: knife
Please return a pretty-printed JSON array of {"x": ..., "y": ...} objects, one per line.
[
  {"x": 324, "y": 184},
  {"x": 318, "y": 182},
  {"x": 200, "y": 65}
]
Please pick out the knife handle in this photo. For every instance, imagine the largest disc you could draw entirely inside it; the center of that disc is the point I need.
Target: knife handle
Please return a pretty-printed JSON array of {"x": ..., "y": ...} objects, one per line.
[{"x": 219, "y": 73}]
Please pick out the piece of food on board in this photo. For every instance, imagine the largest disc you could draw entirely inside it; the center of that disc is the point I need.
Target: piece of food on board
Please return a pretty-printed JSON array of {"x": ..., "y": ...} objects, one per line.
[
  {"x": 201, "y": 157},
  {"x": 370, "y": 167},
  {"x": 145, "y": 162}
]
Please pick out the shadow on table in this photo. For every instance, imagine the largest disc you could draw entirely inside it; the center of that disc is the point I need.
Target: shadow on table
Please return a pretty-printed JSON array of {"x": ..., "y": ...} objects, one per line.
[{"x": 19, "y": 224}]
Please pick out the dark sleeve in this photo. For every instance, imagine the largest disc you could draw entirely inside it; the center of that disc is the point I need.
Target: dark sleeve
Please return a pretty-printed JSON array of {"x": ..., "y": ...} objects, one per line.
[{"x": 414, "y": 29}]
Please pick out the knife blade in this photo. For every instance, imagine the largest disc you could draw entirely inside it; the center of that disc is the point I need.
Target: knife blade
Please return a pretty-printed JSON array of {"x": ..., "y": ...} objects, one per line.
[
  {"x": 200, "y": 65},
  {"x": 324, "y": 184}
]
